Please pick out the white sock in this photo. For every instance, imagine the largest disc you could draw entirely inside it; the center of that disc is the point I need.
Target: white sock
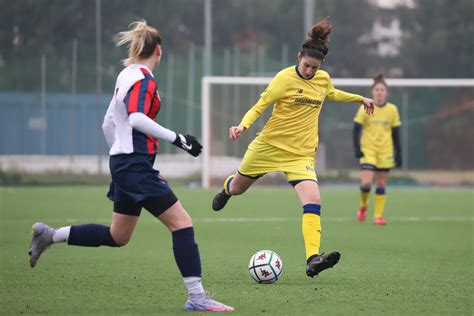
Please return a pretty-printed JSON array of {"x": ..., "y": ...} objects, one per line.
[
  {"x": 194, "y": 286},
  {"x": 61, "y": 234}
]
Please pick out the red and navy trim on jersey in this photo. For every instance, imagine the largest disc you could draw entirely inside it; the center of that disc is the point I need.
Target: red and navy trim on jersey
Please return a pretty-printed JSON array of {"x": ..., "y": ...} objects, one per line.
[{"x": 143, "y": 97}]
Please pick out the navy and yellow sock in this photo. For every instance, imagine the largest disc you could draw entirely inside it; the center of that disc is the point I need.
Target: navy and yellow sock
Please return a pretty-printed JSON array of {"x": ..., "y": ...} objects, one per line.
[
  {"x": 364, "y": 196},
  {"x": 227, "y": 183},
  {"x": 379, "y": 202},
  {"x": 311, "y": 227}
]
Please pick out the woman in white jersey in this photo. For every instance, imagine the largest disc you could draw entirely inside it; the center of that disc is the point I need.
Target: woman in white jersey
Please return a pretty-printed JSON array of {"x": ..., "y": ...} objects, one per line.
[{"x": 132, "y": 134}]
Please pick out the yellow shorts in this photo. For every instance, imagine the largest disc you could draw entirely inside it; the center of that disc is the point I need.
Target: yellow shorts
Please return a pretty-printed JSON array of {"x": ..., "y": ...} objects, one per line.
[
  {"x": 262, "y": 158},
  {"x": 378, "y": 160}
]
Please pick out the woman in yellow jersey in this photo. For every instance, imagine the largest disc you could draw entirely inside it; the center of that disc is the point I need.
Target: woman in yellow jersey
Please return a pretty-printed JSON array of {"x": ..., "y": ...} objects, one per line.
[
  {"x": 289, "y": 140},
  {"x": 378, "y": 150}
]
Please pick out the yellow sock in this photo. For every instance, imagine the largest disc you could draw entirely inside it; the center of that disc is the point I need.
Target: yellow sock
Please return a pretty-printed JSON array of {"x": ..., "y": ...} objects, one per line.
[
  {"x": 227, "y": 183},
  {"x": 379, "y": 202},
  {"x": 311, "y": 228},
  {"x": 364, "y": 197}
]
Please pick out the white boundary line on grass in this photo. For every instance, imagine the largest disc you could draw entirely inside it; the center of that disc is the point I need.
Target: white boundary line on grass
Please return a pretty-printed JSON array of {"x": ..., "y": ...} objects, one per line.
[{"x": 272, "y": 219}]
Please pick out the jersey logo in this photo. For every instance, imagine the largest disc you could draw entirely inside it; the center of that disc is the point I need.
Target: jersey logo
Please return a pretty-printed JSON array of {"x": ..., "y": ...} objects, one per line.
[
  {"x": 304, "y": 101},
  {"x": 299, "y": 91}
]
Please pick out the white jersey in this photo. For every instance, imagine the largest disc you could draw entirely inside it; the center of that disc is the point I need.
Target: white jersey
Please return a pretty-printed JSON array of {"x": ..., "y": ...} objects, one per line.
[{"x": 135, "y": 91}]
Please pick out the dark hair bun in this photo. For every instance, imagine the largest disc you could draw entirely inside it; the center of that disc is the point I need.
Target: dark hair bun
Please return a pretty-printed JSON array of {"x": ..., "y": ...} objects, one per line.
[
  {"x": 379, "y": 79},
  {"x": 319, "y": 33},
  {"x": 318, "y": 37}
]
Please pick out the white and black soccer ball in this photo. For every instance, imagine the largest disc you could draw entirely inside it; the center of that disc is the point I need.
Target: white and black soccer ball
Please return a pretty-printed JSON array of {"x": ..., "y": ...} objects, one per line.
[{"x": 265, "y": 266}]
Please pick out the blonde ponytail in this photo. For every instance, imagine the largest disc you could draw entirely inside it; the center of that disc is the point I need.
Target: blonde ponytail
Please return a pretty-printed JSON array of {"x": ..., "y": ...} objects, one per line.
[{"x": 141, "y": 39}]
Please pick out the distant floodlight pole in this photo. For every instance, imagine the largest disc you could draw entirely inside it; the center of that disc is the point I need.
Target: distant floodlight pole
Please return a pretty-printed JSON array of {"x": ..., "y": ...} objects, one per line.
[
  {"x": 72, "y": 122},
  {"x": 404, "y": 130},
  {"x": 169, "y": 95},
  {"x": 207, "y": 37},
  {"x": 43, "y": 104},
  {"x": 98, "y": 73},
  {"x": 190, "y": 100},
  {"x": 309, "y": 6},
  {"x": 205, "y": 120}
]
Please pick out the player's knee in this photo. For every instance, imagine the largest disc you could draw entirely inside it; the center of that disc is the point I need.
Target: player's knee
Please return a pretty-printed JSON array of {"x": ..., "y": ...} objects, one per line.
[
  {"x": 381, "y": 183},
  {"x": 183, "y": 220},
  {"x": 314, "y": 200},
  {"x": 121, "y": 240},
  {"x": 365, "y": 187},
  {"x": 186, "y": 221}
]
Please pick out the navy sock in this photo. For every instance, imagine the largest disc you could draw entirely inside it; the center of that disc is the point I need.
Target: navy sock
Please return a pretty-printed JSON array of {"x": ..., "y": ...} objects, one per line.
[
  {"x": 312, "y": 209},
  {"x": 91, "y": 235},
  {"x": 186, "y": 252},
  {"x": 365, "y": 189}
]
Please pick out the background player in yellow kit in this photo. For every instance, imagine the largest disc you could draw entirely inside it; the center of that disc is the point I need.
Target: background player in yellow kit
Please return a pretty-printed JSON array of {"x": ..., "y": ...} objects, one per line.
[
  {"x": 378, "y": 149},
  {"x": 289, "y": 140}
]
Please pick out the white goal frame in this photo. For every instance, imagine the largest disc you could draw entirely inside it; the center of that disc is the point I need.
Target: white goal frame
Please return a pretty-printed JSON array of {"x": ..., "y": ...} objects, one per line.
[{"x": 208, "y": 81}]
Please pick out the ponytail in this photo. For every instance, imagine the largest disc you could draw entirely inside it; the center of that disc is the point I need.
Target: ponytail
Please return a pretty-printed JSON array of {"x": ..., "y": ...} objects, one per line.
[
  {"x": 379, "y": 79},
  {"x": 316, "y": 45},
  {"x": 141, "y": 39}
]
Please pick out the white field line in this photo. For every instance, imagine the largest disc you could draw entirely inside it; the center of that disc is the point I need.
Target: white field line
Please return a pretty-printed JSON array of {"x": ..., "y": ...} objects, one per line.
[{"x": 265, "y": 219}]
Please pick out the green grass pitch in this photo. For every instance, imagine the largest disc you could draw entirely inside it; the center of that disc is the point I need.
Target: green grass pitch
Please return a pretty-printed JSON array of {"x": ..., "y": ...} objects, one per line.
[{"x": 420, "y": 263}]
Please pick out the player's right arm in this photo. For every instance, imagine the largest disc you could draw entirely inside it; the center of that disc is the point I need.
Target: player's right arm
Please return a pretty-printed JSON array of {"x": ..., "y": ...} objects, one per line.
[
  {"x": 138, "y": 102},
  {"x": 235, "y": 132},
  {"x": 270, "y": 95},
  {"x": 337, "y": 95}
]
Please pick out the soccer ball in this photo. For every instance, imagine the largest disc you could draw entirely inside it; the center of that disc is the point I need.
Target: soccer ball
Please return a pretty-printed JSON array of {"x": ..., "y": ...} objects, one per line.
[{"x": 265, "y": 266}]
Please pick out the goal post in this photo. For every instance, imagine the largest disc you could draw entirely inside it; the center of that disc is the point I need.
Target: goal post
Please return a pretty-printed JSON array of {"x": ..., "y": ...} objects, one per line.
[{"x": 208, "y": 82}]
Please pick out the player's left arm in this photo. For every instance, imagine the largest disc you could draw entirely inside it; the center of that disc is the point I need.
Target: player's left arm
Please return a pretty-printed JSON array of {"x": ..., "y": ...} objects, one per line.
[
  {"x": 396, "y": 139},
  {"x": 337, "y": 95}
]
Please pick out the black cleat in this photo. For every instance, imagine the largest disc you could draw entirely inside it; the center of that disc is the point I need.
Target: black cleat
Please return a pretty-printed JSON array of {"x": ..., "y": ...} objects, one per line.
[
  {"x": 318, "y": 263},
  {"x": 220, "y": 200}
]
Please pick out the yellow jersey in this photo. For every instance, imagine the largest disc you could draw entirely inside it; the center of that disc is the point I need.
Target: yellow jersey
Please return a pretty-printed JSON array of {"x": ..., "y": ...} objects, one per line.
[
  {"x": 293, "y": 125},
  {"x": 377, "y": 128}
]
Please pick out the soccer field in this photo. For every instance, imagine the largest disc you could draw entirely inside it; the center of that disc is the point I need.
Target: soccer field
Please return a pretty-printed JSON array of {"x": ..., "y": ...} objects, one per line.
[{"x": 420, "y": 263}]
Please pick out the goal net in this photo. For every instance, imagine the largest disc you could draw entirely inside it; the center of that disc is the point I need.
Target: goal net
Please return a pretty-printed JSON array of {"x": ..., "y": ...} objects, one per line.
[{"x": 436, "y": 114}]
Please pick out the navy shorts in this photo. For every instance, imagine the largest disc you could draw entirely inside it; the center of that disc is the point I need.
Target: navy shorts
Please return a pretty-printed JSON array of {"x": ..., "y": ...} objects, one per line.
[{"x": 135, "y": 184}]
